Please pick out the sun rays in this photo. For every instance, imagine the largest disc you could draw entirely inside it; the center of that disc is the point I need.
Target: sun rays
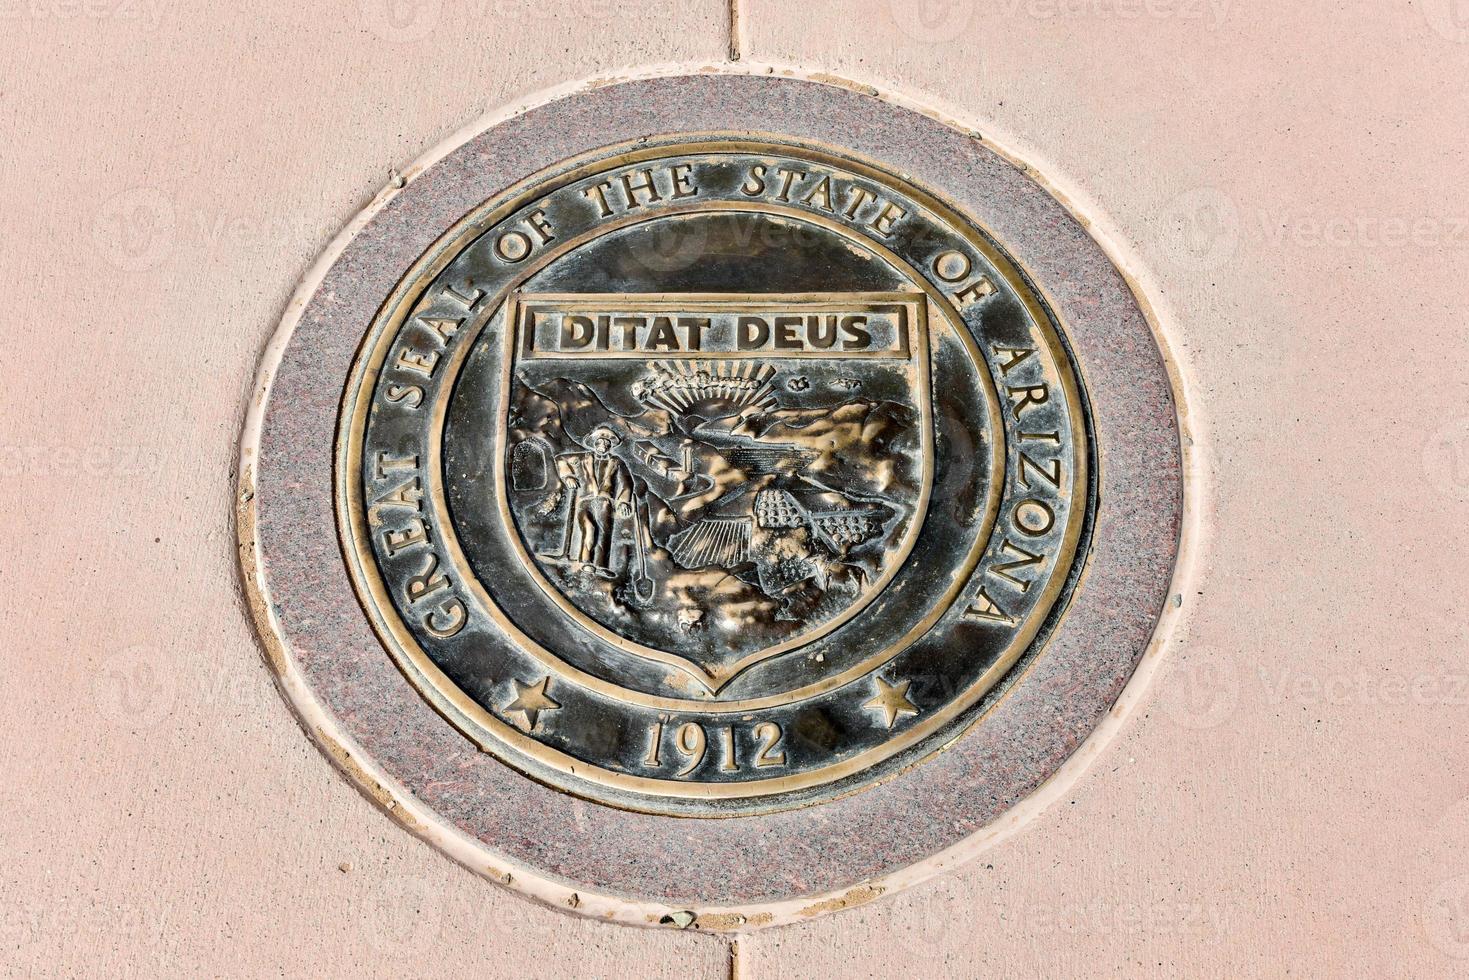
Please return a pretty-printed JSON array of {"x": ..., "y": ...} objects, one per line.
[{"x": 679, "y": 385}]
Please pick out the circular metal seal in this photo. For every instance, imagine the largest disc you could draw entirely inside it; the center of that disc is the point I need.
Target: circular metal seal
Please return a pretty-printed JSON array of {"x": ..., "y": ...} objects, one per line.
[
  {"x": 712, "y": 474},
  {"x": 712, "y": 447}
]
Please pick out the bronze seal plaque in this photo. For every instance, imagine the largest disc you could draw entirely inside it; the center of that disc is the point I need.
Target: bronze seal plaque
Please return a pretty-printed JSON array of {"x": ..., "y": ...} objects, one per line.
[
  {"x": 712, "y": 473},
  {"x": 708, "y": 471}
]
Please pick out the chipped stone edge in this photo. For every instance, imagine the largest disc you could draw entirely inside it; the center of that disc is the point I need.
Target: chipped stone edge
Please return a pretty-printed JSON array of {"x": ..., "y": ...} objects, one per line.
[{"x": 394, "y": 799}]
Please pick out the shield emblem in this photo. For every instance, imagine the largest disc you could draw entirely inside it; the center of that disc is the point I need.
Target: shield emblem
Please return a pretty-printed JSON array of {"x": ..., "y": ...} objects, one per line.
[{"x": 709, "y": 481}]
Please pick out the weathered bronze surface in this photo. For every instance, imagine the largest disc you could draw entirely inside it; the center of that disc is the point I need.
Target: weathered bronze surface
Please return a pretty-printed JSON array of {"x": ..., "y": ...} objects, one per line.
[{"x": 713, "y": 475}]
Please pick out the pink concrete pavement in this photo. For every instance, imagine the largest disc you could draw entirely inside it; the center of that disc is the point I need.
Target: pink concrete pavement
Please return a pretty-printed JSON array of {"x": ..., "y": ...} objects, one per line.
[{"x": 1283, "y": 788}]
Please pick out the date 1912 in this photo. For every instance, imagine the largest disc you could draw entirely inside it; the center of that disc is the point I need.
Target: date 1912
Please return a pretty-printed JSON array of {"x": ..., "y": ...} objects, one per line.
[{"x": 733, "y": 748}]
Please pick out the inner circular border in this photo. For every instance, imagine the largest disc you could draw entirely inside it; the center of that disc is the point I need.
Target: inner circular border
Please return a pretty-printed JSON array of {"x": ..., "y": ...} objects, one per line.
[{"x": 320, "y": 644}]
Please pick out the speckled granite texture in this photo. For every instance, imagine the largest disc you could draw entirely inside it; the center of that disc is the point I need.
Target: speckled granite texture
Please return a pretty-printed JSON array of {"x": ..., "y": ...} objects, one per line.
[{"x": 1025, "y": 737}]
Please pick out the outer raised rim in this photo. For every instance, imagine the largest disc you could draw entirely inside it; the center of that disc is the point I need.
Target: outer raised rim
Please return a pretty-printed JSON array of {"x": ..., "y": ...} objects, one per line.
[
  {"x": 564, "y": 850},
  {"x": 642, "y": 793}
]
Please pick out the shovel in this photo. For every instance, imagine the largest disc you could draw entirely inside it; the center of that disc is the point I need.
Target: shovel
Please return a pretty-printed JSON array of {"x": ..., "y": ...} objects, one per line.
[{"x": 641, "y": 582}]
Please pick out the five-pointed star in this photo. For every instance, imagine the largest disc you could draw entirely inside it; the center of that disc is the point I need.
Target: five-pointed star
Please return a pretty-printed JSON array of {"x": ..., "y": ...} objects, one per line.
[
  {"x": 891, "y": 700},
  {"x": 531, "y": 700}
]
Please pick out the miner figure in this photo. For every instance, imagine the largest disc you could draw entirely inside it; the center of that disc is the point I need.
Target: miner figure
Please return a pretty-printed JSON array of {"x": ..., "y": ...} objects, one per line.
[{"x": 600, "y": 489}]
